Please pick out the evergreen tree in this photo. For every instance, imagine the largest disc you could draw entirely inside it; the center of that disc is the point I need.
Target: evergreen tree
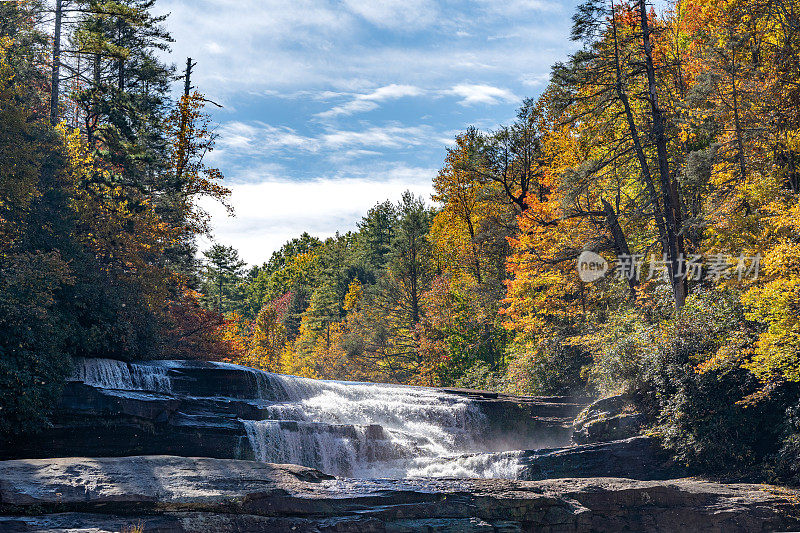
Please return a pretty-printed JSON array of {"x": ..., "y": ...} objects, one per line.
[
  {"x": 222, "y": 273},
  {"x": 375, "y": 237}
]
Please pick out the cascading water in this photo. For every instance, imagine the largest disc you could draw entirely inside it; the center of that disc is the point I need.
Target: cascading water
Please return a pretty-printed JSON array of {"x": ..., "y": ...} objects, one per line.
[
  {"x": 342, "y": 428},
  {"x": 112, "y": 374},
  {"x": 369, "y": 430}
]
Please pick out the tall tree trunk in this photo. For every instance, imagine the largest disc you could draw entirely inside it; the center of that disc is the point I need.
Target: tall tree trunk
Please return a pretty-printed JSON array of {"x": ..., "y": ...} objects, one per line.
[
  {"x": 620, "y": 241},
  {"x": 91, "y": 117},
  {"x": 187, "y": 77},
  {"x": 737, "y": 122},
  {"x": 644, "y": 168},
  {"x": 183, "y": 141},
  {"x": 54, "y": 75},
  {"x": 669, "y": 191}
]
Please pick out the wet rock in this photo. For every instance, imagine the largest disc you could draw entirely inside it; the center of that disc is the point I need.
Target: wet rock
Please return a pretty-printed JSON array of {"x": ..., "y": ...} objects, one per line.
[
  {"x": 178, "y": 494},
  {"x": 100, "y": 422},
  {"x": 636, "y": 458}
]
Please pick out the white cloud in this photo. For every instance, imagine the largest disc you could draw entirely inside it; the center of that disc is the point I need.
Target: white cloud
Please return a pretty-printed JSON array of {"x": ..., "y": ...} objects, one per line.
[
  {"x": 264, "y": 40},
  {"x": 393, "y": 136},
  {"x": 257, "y": 139},
  {"x": 399, "y": 15},
  {"x": 317, "y": 45},
  {"x": 392, "y": 91},
  {"x": 347, "y": 156},
  {"x": 369, "y": 101},
  {"x": 271, "y": 212},
  {"x": 520, "y": 8},
  {"x": 284, "y": 61},
  {"x": 482, "y": 94},
  {"x": 214, "y": 48},
  {"x": 535, "y": 80},
  {"x": 354, "y": 106}
]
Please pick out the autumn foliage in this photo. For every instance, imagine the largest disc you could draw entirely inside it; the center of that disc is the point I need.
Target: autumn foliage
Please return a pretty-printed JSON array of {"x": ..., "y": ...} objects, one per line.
[{"x": 672, "y": 137}]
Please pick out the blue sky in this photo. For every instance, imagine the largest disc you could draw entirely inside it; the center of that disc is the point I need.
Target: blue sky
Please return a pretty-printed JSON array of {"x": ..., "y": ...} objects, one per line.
[{"x": 333, "y": 106}]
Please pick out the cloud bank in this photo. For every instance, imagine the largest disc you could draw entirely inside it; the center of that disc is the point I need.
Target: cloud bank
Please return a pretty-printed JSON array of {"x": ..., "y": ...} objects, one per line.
[{"x": 270, "y": 212}]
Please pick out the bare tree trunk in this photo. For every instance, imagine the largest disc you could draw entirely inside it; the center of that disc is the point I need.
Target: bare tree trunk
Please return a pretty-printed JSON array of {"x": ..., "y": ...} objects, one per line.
[
  {"x": 620, "y": 241},
  {"x": 187, "y": 78},
  {"x": 54, "y": 75},
  {"x": 669, "y": 192}
]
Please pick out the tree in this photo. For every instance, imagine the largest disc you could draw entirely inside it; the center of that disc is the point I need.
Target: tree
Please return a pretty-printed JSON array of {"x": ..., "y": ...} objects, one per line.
[
  {"x": 458, "y": 330},
  {"x": 187, "y": 178},
  {"x": 221, "y": 277},
  {"x": 373, "y": 241},
  {"x": 458, "y": 189},
  {"x": 96, "y": 224},
  {"x": 511, "y": 158},
  {"x": 267, "y": 341},
  {"x": 618, "y": 60},
  {"x": 409, "y": 272}
]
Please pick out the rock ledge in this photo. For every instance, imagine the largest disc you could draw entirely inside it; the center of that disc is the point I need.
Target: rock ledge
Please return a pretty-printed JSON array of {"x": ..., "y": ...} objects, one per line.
[{"x": 180, "y": 494}]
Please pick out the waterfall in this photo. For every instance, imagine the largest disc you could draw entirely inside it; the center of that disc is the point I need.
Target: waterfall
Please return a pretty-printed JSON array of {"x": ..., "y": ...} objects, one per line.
[
  {"x": 303, "y": 443},
  {"x": 484, "y": 465},
  {"x": 367, "y": 430},
  {"x": 371, "y": 430},
  {"x": 112, "y": 374}
]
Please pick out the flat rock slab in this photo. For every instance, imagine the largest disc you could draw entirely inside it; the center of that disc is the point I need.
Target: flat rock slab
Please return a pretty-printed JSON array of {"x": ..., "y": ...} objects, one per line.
[
  {"x": 180, "y": 494},
  {"x": 637, "y": 457}
]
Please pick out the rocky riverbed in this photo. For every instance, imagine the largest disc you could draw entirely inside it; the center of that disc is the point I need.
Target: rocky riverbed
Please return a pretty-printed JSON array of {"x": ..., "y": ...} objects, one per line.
[
  {"x": 179, "y": 494},
  {"x": 192, "y": 446}
]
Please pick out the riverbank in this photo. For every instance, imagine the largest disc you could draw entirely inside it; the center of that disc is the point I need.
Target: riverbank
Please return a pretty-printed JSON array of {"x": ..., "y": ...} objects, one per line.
[{"x": 178, "y": 494}]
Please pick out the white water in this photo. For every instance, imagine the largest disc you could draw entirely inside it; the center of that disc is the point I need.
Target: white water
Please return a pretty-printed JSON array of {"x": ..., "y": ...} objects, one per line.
[
  {"x": 342, "y": 428},
  {"x": 373, "y": 430},
  {"x": 484, "y": 465},
  {"x": 111, "y": 374}
]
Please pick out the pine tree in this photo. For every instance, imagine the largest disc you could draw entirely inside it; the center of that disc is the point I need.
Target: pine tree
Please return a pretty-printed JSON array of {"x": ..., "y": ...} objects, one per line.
[{"x": 222, "y": 275}]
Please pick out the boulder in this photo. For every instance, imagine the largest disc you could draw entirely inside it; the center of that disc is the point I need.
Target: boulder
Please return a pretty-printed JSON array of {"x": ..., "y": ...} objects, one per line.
[
  {"x": 636, "y": 458},
  {"x": 177, "y": 494}
]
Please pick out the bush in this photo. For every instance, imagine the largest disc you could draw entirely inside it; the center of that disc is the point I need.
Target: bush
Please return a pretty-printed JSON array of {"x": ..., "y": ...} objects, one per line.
[
  {"x": 480, "y": 376},
  {"x": 554, "y": 367},
  {"x": 711, "y": 426},
  {"x": 618, "y": 349},
  {"x": 33, "y": 364},
  {"x": 709, "y": 408}
]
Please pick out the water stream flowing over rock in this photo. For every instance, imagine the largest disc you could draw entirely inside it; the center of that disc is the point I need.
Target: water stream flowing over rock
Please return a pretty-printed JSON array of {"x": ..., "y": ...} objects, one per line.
[
  {"x": 161, "y": 444},
  {"x": 365, "y": 430}
]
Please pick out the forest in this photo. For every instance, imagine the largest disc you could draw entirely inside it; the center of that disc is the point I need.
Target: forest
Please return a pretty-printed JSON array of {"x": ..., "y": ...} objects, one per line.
[{"x": 671, "y": 140}]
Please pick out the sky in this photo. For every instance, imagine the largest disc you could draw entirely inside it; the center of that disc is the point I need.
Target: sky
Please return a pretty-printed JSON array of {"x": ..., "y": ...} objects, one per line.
[{"x": 332, "y": 106}]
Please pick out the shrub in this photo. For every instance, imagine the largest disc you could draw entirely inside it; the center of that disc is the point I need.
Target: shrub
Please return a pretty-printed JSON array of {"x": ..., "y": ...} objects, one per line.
[
  {"x": 711, "y": 411},
  {"x": 32, "y": 364},
  {"x": 554, "y": 367},
  {"x": 480, "y": 376}
]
